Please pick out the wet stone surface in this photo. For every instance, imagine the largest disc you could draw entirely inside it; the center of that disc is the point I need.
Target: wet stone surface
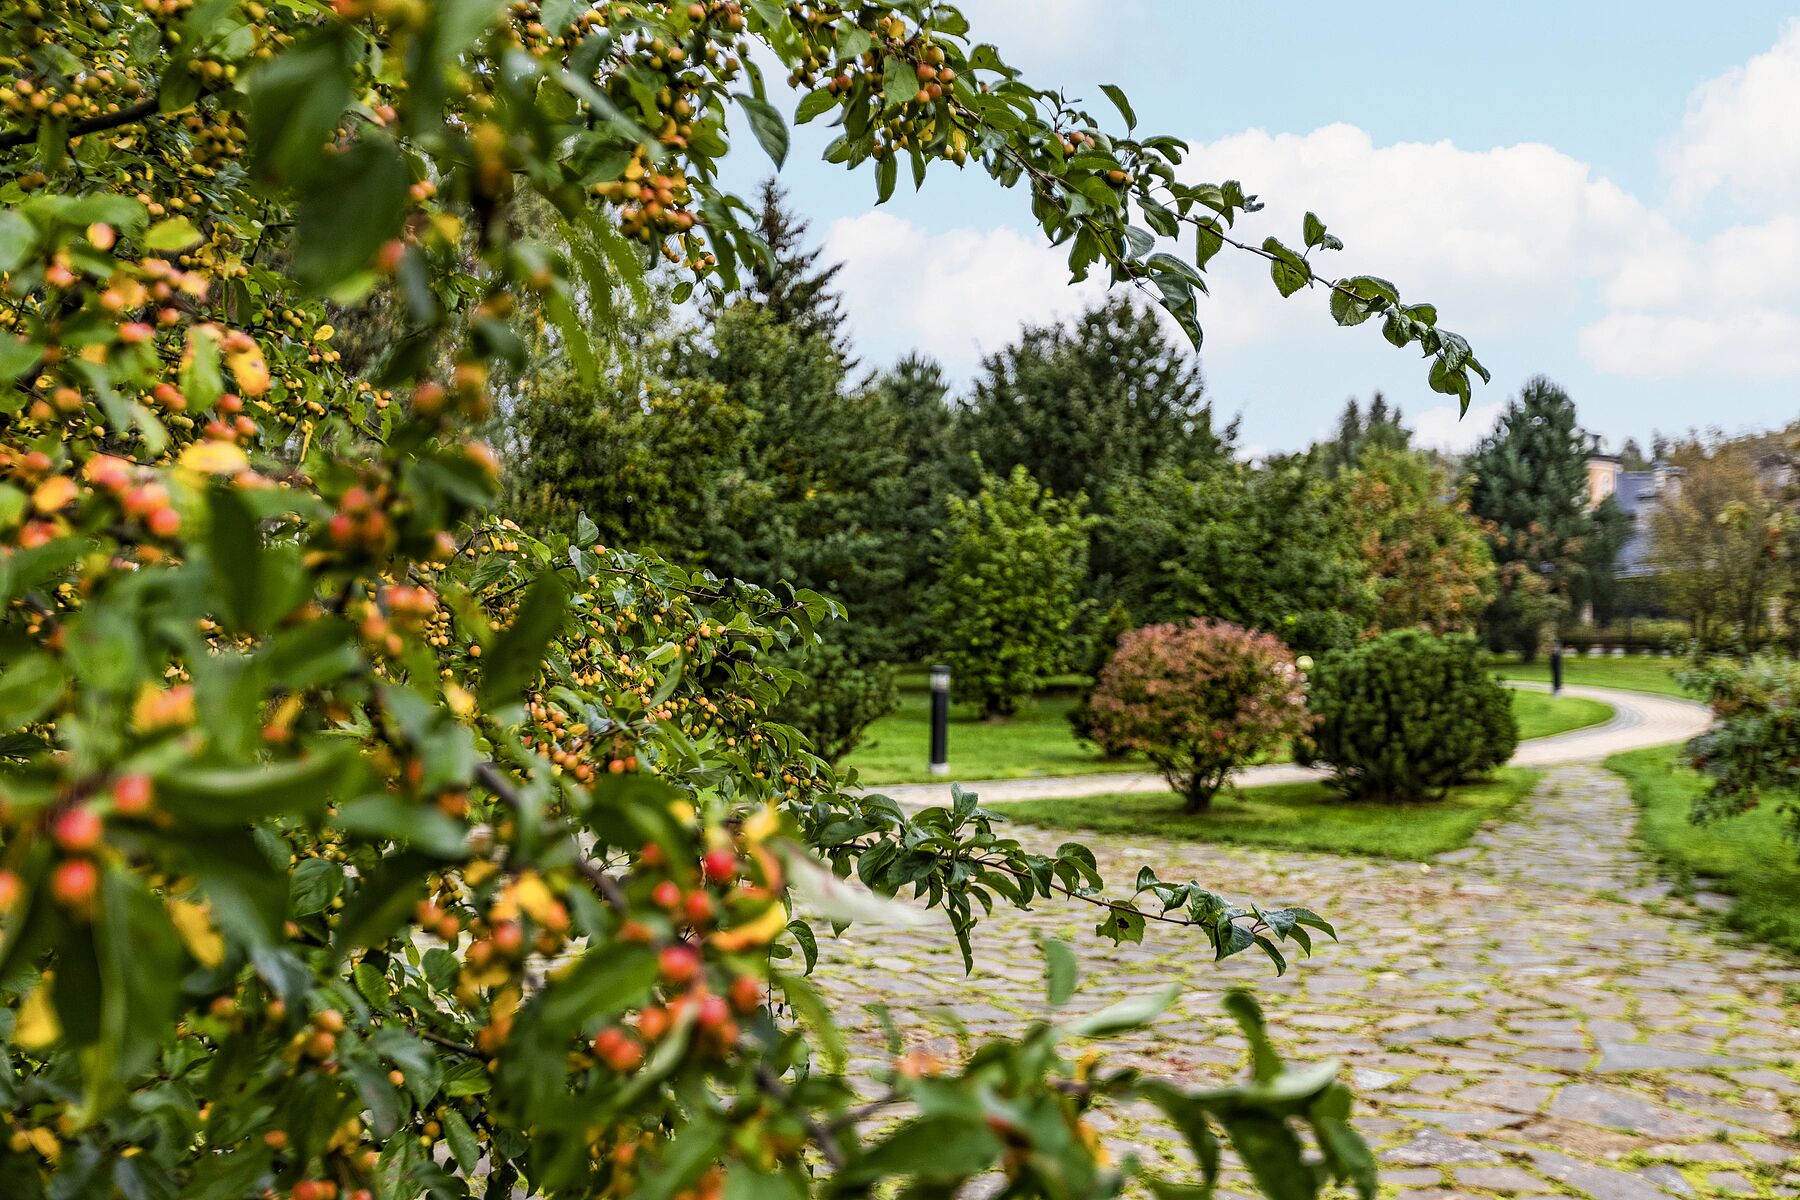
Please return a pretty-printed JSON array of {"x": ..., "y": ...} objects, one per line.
[{"x": 1534, "y": 1018}]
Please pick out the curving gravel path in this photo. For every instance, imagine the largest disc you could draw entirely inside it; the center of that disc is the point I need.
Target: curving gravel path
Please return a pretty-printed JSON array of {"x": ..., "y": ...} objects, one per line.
[
  {"x": 1531, "y": 1016},
  {"x": 1640, "y": 719}
]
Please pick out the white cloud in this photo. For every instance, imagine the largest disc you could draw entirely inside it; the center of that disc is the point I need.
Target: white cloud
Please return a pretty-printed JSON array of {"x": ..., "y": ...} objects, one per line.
[
  {"x": 959, "y": 294},
  {"x": 1444, "y": 427},
  {"x": 1493, "y": 237},
  {"x": 1742, "y": 132}
]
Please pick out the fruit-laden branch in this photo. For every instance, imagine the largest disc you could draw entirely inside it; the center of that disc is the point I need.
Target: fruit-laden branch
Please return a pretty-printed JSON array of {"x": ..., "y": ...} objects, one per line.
[{"x": 113, "y": 120}]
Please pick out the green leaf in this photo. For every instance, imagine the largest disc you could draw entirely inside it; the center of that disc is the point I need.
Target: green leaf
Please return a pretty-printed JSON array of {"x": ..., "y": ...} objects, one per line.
[
  {"x": 346, "y": 214},
  {"x": 1059, "y": 970},
  {"x": 605, "y": 981},
  {"x": 767, "y": 125},
  {"x": 1117, "y": 96},
  {"x": 236, "y": 548},
  {"x": 899, "y": 82},
  {"x": 175, "y": 233},
  {"x": 1134, "y": 1012},
  {"x": 383, "y": 901},
  {"x": 1347, "y": 309},
  {"x": 934, "y": 1149},
  {"x": 29, "y": 688},
  {"x": 295, "y": 102},
  {"x": 18, "y": 239},
  {"x": 517, "y": 655},
  {"x": 815, "y": 103},
  {"x": 225, "y": 797}
]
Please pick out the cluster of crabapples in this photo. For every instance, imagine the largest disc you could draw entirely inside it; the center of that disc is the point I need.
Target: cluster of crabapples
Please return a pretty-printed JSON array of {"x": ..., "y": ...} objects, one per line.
[
  {"x": 77, "y": 830},
  {"x": 690, "y": 904}
]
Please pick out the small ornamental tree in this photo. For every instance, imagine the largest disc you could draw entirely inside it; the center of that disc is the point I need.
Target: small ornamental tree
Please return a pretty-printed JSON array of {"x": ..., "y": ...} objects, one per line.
[
  {"x": 1199, "y": 700},
  {"x": 1406, "y": 715},
  {"x": 355, "y": 844},
  {"x": 1008, "y": 593}
]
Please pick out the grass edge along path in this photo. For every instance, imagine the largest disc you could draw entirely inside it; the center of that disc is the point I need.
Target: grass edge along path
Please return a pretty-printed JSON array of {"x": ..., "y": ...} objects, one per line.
[
  {"x": 1634, "y": 673},
  {"x": 1747, "y": 857},
  {"x": 1040, "y": 742},
  {"x": 1293, "y": 816}
]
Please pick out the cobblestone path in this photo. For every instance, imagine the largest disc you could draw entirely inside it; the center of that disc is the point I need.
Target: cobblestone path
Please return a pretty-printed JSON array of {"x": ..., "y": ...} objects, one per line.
[{"x": 1530, "y": 1016}]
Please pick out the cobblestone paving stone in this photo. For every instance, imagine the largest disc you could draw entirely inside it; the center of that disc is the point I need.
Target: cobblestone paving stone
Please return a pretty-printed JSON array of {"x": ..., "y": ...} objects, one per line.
[{"x": 1538, "y": 1017}]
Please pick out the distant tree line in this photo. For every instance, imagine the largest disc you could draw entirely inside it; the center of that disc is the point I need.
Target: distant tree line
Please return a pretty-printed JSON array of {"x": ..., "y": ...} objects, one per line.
[{"x": 1082, "y": 485}]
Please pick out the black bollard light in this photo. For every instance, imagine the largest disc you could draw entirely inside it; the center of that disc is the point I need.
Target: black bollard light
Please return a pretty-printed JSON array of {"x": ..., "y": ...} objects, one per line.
[
  {"x": 940, "y": 721},
  {"x": 1556, "y": 667}
]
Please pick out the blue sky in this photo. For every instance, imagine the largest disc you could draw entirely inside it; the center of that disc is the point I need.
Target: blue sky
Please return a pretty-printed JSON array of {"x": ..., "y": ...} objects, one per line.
[{"x": 1605, "y": 193}]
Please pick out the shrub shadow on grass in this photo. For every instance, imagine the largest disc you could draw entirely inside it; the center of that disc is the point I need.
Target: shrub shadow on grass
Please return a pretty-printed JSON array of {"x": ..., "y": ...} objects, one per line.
[{"x": 1293, "y": 816}]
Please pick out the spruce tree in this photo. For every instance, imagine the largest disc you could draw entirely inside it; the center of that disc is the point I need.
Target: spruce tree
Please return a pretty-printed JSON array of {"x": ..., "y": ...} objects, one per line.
[
  {"x": 1530, "y": 484},
  {"x": 1357, "y": 434},
  {"x": 790, "y": 286}
]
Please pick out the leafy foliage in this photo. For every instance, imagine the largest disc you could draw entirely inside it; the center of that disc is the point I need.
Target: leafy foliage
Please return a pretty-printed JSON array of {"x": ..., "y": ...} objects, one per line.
[
  {"x": 1405, "y": 715},
  {"x": 1722, "y": 536},
  {"x": 1009, "y": 589},
  {"x": 836, "y": 699},
  {"x": 1267, "y": 547},
  {"x": 1751, "y": 753},
  {"x": 1087, "y": 405},
  {"x": 357, "y": 841},
  {"x": 1428, "y": 558},
  {"x": 1199, "y": 700},
  {"x": 1359, "y": 432}
]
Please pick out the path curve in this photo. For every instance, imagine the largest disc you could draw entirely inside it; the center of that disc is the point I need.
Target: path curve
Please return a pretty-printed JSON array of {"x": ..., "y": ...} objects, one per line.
[
  {"x": 1535, "y": 1015},
  {"x": 1639, "y": 720}
]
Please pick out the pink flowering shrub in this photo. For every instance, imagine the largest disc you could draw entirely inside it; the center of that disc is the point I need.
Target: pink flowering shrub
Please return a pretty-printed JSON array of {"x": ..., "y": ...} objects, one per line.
[{"x": 1199, "y": 699}]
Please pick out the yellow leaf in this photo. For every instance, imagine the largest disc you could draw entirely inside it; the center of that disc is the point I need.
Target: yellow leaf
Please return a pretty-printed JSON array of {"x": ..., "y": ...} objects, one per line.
[
  {"x": 759, "y": 932},
  {"x": 37, "y": 1027},
  {"x": 45, "y": 1142},
  {"x": 54, "y": 494},
  {"x": 536, "y": 899},
  {"x": 251, "y": 372},
  {"x": 214, "y": 458},
  {"x": 194, "y": 923}
]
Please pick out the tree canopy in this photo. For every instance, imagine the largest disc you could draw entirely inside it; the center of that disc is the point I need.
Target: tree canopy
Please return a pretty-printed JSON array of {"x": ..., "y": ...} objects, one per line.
[{"x": 357, "y": 841}]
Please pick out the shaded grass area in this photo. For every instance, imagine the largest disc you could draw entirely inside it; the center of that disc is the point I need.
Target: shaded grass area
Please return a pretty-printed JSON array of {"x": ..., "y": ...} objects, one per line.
[
  {"x": 1541, "y": 715},
  {"x": 1039, "y": 741},
  {"x": 1293, "y": 816},
  {"x": 1747, "y": 857},
  {"x": 1634, "y": 674}
]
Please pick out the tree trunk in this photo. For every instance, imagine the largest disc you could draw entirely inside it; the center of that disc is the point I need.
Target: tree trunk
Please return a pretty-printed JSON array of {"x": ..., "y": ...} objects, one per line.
[{"x": 1199, "y": 795}]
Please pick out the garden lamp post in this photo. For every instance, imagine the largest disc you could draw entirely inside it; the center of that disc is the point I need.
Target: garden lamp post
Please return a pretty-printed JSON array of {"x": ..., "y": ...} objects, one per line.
[
  {"x": 1556, "y": 682},
  {"x": 940, "y": 721}
]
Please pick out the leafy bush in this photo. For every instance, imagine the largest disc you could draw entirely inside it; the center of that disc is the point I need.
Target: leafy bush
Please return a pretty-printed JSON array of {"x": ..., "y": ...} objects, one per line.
[
  {"x": 1406, "y": 715},
  {"x": 1752, "y": 751},
  {"x": 1199, "y": 699},
  {"x": 836, "y": 698},
  {"x": 1103, "y": 641},
  {"x": 1009, "y": 590}
]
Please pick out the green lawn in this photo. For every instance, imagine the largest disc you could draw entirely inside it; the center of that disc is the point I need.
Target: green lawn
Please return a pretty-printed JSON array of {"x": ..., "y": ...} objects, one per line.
[
  {"x": 1293, "y": 816},
  {"x": 1039, "y": 741},
  {"x": 1745, "y": 857},
  {"x": 1541, "y": 715},
  {"x": 1635, "y": 673}
]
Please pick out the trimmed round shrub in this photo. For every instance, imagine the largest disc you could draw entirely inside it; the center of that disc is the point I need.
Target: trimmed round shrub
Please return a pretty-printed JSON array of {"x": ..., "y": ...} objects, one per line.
[
  {"x": 1406, "y": 715},
  {"x": 1199, "y": 700}
]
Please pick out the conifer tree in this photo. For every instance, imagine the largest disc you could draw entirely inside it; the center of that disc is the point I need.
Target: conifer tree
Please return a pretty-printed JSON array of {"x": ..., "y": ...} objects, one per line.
[{"x": 790, "y": 285}]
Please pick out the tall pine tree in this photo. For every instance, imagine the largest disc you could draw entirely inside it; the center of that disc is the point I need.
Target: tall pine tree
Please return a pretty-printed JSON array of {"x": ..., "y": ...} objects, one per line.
[
  {"x": 1530, "y": 484},
  {"x": 791, "y": 286},
  {"x": 1358, "y": 433}
]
